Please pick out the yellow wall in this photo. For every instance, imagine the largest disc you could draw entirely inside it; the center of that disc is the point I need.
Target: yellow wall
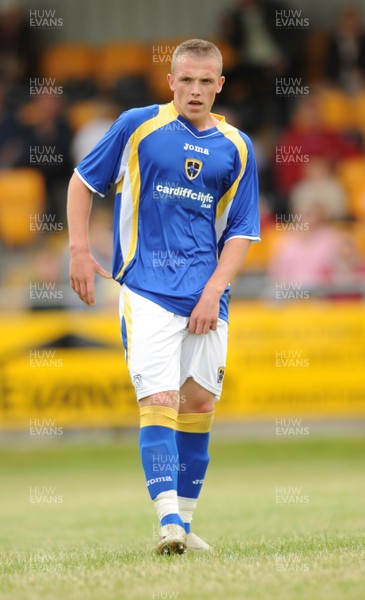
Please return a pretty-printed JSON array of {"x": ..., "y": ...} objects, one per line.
[{"x": 303, "y": 359}]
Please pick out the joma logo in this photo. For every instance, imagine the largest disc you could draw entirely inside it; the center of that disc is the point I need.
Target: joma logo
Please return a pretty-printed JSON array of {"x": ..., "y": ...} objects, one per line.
[{"x": 196, "y": 148}]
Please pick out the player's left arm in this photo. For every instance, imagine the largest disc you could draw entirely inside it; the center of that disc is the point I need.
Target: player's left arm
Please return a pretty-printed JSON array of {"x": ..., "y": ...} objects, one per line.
[{"x": 205, "y": 314}]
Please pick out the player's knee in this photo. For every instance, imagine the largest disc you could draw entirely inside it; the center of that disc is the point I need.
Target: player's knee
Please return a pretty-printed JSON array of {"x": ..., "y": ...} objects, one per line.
[
  {"x": 202, "y": 406},
  {"x": 195, "y": 398}
]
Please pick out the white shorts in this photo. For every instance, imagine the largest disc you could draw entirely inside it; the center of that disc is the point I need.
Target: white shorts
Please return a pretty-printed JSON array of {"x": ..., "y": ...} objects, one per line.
[{"x": 161, "y": 353}]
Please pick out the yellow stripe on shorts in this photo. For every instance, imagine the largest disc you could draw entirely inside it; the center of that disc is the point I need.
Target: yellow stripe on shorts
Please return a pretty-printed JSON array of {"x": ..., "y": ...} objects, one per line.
[{"x": 127, "y": 313}]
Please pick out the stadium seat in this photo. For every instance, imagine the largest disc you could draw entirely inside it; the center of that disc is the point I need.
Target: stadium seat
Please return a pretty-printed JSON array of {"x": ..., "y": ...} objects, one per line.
[
  {"x": 357, "y": 200},
  {"x": 358, "y": 232},
  {"x": 335, "y": 109},
  {"x": 159, "y": 66},
  {"x": 69, "y": 62},
  {"x": 258, "y": 258},
  {"x": 359, "y": 111},
  {"x": 22, "y": 194},
  {"x": 121, "y": 59},
  {"x": 351, "y": 173},
  {"x": 81, "y": 113},
  {"x": 157, "y": 81}
]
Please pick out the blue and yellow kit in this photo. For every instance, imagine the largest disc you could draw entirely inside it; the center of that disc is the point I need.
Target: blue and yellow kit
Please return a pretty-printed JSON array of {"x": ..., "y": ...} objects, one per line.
[{"x": 180, "y": 195}]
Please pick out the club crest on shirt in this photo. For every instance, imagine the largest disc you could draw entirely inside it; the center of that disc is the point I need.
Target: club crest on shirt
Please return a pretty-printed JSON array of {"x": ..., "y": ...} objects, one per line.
[
  {"x": 193, "y": 166},
  {"x": 220, "y": 374}
]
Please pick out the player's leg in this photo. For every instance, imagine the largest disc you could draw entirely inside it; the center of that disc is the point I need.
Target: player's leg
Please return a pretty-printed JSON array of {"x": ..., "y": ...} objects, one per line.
[
  {"x": 203, "y": 362},
  {"x": 152, "y": 338},
  {"x": 194, "y": 422},
  {"x": 160, "y": 460}
]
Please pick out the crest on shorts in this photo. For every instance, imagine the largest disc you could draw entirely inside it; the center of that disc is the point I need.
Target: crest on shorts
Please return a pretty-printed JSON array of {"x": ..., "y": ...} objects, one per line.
[
  {"x": 137, "y": 380},
  {"x": 193, "y": 166},
  {"x": 220, "y": 374}
]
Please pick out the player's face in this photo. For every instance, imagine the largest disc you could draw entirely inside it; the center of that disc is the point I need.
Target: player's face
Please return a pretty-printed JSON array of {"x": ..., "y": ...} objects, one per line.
[{"x": 195, "y": 83}]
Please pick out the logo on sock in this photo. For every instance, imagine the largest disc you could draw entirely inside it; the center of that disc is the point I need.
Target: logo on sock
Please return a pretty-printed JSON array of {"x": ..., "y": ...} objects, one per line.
[
  {"x": 158, "y": 480},
  {"x": 220, "y": 374}
]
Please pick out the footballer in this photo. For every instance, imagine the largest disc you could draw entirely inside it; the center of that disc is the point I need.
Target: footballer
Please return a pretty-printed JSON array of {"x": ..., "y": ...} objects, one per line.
[{"x": 186, "y": 212}]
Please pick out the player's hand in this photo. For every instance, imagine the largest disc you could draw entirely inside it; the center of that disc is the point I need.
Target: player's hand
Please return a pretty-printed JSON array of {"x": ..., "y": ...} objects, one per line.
[
  {"x": 205, "y": 314},
  {"x": 83, "y": 267}
]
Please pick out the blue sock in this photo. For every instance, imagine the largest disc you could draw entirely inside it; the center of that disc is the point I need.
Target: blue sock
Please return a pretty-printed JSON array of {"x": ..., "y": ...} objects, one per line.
[
  {"x": 194, "y": 459},
  {"x": 160, "y": 459}
]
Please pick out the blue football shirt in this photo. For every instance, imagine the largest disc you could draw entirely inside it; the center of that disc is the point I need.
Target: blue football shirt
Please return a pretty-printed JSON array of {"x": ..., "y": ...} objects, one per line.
[{"x": 181, "y": 194}]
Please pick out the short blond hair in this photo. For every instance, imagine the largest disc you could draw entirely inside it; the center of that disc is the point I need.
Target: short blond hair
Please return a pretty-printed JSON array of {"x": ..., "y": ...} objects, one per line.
[{"x": 197, "y": 47}]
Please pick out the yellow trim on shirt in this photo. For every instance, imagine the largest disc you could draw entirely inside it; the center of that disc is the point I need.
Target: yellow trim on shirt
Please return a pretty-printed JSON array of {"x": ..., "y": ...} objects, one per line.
[
  {"x": 233, "y": 135},
  {"x": 127, "y": 313},
  {"x": 166, "y": 114}
]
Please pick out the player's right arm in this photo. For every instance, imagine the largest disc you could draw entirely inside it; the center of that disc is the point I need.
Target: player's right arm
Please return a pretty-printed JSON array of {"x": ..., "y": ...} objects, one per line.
[{"x": 83, "y": 265}]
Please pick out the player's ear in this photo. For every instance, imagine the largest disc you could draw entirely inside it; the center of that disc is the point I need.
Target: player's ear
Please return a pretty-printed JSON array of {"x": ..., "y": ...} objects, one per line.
[
  {"x": 220, "y": 83},
  {"x": 170, "y": 80}
]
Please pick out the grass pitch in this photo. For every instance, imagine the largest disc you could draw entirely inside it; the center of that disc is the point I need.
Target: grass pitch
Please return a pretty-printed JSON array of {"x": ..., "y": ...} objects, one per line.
[{"x": 285, "y": 518}]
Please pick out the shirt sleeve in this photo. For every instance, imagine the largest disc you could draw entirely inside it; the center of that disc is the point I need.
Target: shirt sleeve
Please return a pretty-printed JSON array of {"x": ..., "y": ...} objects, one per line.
[
  {"x": 243, "y": 218},
  {"x": 102, "y": 166}
]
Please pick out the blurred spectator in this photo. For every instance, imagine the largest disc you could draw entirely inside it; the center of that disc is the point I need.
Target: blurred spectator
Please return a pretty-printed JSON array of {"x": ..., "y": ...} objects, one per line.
[
  {"x": 345, "y": 60},
  {"x": 305, "y": 139},
  {"x": 313, "y": 252},
  {"x": 350, "y": 265},
  {"x": 87, "y": 137},
  {"x": 250, "y": 28},
  {"x": 45, "y": 272},
  {"x": 50, "y": 139},
  {"x": 15, "y": 137},
  {"x": 265, "y": 50},
  {"x": 267, "y": 218},
  {"x": 19, "y": 53},
  {"x": 92, "y": 131},
  {"x": 320, "y": 186},
  {"x": 305, "y": 256}
]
